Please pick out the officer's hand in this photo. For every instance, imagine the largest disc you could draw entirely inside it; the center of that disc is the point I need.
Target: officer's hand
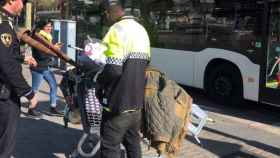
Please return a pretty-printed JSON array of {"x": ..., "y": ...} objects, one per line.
[
  {"x": 30, "y": 61},
  {"x": 33, "y": 103}
]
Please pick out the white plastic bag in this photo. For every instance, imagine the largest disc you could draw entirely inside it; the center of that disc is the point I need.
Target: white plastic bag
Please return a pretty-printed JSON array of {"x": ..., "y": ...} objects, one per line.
[{"x": 95, "y": 51}]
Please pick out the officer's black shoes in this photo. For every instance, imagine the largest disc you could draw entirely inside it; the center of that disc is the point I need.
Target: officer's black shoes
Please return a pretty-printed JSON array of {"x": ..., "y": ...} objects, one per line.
[
  {"x": 34, "y": 113},
  {"x": 55, "y": 112}
]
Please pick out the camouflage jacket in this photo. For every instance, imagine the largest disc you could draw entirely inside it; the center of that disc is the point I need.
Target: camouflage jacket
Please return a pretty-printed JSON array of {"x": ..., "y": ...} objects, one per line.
[{"x": 166, "y": 112}]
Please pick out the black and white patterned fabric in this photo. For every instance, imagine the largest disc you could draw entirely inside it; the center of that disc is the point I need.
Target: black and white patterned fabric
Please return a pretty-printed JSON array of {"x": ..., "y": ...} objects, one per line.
[
  {"x": 115, "y": 61},
  {"x": 93, "y": 108},
  {"x": 132, "y": 55},
  {"x": 137, "y": 55}
]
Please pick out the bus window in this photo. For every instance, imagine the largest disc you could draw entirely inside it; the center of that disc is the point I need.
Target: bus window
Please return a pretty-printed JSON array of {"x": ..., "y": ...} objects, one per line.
[
  {"x": 246, "y": 23},
  {"x": 273, "y": 68},
  {"x": 181, "y": 29},
  {"x": 237, "y": 28}
]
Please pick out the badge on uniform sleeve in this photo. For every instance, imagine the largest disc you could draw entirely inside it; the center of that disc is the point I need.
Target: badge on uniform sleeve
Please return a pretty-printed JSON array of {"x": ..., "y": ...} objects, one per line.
[{"x": 6, "y": 39}]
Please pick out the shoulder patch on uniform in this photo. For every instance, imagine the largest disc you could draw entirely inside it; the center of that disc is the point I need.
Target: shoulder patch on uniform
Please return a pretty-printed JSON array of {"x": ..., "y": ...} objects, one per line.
[{"x": 6, "y": 39}]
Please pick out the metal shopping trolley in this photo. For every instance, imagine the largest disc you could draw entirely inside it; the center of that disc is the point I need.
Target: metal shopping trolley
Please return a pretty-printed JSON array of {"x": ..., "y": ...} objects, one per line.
[{"x": 79, "y": 89}]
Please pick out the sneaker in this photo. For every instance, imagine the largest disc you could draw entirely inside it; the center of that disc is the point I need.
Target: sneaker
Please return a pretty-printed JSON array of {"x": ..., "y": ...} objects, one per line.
[
  {"x": 34, "y": 113},
  {"x": 55, "y": 112}
]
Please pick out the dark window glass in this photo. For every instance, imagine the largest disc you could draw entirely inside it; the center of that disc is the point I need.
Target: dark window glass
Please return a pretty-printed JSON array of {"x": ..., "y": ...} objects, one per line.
[{"x": 273, "y": 68}]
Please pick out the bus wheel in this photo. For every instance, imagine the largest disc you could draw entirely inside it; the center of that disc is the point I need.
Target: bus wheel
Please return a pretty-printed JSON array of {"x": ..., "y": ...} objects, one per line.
[{"x": 224, "y": 85}]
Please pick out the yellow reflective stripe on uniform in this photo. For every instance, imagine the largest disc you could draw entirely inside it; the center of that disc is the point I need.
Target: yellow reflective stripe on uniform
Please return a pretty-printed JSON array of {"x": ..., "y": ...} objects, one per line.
[
  {"x": 123, "y": 38},
  {"x": 139, "y": 43},
  {"x": 115, "y": 49},
  {"x": 121, "y": 32}
]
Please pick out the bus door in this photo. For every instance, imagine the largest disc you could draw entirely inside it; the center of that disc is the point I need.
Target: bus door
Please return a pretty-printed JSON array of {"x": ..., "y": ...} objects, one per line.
[{"x": 270, "y": 89}]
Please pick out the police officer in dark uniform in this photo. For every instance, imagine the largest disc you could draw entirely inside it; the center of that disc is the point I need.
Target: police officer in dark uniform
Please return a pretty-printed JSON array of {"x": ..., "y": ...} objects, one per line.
[{"x": 12, "y": 83}]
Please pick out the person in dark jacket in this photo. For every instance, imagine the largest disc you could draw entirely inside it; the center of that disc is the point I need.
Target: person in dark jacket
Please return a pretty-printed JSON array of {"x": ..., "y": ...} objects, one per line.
[
  {"x": 42, "y": 70},
  {"x": 12, "y": 83},
  {"x": 123, "y": 77}
]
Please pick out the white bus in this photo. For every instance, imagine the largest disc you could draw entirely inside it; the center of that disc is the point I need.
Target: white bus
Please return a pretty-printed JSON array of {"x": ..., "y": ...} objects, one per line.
[{"x": 228, "y": 48}]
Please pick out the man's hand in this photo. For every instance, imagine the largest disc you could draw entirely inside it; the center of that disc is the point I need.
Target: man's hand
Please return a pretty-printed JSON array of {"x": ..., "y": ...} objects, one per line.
[
  {"x": 58, "y": 45},
  {"x": 30, "y": 61},
  {"x": 33, "y": 103}
]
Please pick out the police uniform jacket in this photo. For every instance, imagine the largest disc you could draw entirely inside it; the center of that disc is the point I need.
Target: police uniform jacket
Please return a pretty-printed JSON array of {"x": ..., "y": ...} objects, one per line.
[
  {"x": 10, "y": 60},
  {"x": 127, "y": 56}
]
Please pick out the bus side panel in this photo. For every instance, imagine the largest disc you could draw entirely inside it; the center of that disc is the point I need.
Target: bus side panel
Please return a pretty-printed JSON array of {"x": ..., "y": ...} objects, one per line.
[
  {"x": 188, "y": 68},
  {"x": 178, "y": 65},
  {"x": 250, "y": 72}
]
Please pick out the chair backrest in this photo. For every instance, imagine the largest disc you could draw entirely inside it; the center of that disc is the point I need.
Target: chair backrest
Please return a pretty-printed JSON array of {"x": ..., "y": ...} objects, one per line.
[{"x": 201, "y": 116}]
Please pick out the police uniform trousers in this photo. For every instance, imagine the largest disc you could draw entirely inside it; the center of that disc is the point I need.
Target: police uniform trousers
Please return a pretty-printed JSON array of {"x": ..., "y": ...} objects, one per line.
[
  {"x": 122, "y": 128},
  {"x": 9, "y": 116}
]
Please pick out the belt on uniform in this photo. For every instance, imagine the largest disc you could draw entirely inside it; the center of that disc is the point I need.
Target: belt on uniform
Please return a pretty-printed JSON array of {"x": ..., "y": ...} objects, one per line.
[
  {"x": 126, "y": 111},
  {"x": 130, "y": 111}
]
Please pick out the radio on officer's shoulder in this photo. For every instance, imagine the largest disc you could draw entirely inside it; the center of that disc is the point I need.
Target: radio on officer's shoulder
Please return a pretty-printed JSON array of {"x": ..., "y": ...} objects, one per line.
[{"x": 4, "y": 92}]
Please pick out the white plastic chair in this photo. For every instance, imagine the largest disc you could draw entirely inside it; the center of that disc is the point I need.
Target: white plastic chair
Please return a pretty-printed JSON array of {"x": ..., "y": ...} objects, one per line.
[{"x": 201, "y": 117}]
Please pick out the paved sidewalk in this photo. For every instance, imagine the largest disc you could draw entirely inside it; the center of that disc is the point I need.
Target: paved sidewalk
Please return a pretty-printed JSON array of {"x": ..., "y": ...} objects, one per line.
[{"x": 46, "y": 138}]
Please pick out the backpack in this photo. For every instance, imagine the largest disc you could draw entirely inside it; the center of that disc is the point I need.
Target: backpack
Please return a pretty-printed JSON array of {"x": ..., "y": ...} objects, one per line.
[{"x": 166, "y": 114}]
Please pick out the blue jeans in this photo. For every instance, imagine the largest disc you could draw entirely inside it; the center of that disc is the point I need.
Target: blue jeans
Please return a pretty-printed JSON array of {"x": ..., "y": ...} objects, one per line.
[{"x": 37, "y": 79}]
